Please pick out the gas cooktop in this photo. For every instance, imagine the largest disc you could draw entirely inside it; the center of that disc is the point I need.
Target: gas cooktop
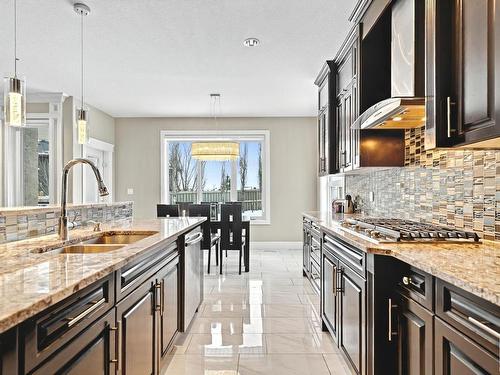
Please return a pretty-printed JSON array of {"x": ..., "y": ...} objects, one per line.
[{"x": 401, "y": 230}]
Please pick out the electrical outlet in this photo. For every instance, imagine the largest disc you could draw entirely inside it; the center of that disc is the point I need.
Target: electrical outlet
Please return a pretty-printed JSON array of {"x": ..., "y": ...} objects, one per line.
[
  {"x": 130, "y": 191},
  {"x": 372, "y": 196}
]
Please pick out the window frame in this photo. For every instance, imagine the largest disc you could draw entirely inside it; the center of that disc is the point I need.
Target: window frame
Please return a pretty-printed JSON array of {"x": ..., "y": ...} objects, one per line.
[{"x": 222, "y": 135}]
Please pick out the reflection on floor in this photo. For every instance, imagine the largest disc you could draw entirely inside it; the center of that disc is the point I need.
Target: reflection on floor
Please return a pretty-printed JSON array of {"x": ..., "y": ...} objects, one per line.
[{"x": 262, "y": 322}]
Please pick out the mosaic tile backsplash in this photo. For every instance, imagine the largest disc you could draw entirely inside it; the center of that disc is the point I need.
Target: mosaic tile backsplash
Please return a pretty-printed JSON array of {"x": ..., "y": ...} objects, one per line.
[
  {"x": 458, "y": 188},
  {"x": 22, "y": 223}
]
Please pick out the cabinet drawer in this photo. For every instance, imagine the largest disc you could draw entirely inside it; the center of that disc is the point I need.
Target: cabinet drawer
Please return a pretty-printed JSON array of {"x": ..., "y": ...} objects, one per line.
[
  {"x": 135, "y": 273},
  {"x": 457, "y": 354},
  {"x": 417, "y": 285},
  {"x": 469, "y": 314},
  {"x": 349, "y": 255},
  {"x": 91, "y": 352},
  {"x": 47, "y": 332}
]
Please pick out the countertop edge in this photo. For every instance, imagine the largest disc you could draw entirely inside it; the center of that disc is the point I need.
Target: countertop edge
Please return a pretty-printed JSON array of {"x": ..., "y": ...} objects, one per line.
[
  {"x": 372, "y": 248},
  {"x": 41, "y": 304}
]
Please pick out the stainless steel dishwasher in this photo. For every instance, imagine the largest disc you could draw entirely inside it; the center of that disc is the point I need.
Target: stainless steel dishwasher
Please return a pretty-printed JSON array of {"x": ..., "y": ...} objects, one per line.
[{"x": 193, "y": 275}]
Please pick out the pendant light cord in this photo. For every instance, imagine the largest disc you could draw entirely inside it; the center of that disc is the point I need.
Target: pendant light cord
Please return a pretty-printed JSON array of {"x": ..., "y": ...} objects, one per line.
[
  {"x": 81, "y": 15},
  {"x": 15, "y": 38}
]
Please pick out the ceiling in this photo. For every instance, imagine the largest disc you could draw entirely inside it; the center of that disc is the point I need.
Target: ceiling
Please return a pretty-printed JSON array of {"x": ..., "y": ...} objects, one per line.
[{"x": 164, "y": 57}]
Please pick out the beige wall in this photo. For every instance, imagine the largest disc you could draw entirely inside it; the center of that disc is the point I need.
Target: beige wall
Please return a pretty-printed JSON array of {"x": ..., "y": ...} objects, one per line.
[{"x": 293, "y": 166}]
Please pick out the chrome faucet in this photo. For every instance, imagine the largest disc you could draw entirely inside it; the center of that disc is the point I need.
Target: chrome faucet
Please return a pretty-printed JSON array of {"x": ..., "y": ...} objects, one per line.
[{"x": 103, "y": 191}]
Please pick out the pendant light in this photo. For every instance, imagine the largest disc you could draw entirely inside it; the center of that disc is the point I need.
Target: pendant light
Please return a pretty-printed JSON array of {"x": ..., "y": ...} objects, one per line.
[
  {"x": 82, "y": 115},
  {"x": 15, "y": 90},
  {"x": 215, "y": 150}
]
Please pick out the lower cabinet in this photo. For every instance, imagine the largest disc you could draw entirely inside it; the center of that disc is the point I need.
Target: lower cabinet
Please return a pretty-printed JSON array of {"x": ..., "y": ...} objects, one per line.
[
  {"x": 329, "y": 301},
  {"x": 352, "y": 334},
  {"x": 415, "y": 338},
  {"x": 456, "y": 354},
  {"x": 92, "y": 352},
  {"x": 135, "y": 317},
  {"x": 168, "y": 279}
]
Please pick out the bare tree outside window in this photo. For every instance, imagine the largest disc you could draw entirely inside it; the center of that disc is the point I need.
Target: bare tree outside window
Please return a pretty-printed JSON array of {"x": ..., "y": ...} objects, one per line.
[{"x": 243, "y": 162}]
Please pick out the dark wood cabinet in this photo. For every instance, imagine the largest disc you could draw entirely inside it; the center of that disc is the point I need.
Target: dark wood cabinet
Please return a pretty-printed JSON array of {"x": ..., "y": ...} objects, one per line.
[
  {"x": 456, "y": 354},
  {"x": 327, "y": 139},
  {"x": 329, "y": 288},
  {"x": 352, "y": 301},
  {"x": 347, "y": 102},
  {"x": 463, "y": 68},
  {"x": 9, "y": 360},
  {"x": 311, "y": 255},
  {"x": 415, "y": 338},
  {"x": 135, "y": 317},
  {"x": 168, "y": 279},
  {"x": 91, "y": 352}
]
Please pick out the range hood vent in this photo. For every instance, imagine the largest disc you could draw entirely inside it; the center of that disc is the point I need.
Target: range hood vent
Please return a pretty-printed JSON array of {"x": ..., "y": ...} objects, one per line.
[
  {"x": 393, "y": 113},
  {"x": 406, "y": 108}
]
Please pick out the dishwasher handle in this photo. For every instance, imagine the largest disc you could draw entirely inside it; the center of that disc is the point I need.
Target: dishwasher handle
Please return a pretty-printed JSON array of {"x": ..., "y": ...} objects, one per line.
[{"x": 195, "y": 239}]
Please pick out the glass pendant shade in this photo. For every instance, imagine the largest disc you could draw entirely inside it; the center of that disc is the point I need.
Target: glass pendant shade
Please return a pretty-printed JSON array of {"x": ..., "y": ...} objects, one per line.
[
  {"x": 215, "y": 150},
  {"x": 14, "y": 101},
  {"x": 82, "y": 126}
]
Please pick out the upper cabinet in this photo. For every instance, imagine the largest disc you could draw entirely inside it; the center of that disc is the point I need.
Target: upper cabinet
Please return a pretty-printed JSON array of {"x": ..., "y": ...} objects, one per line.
[
  {"x": 327, "y": 141},
  {"x": 463, "y": 67}
]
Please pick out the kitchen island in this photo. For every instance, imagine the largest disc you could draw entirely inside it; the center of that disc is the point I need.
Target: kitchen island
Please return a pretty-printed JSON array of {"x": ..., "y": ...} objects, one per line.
[
  {"x": 405, "y": 307},
  {"x": 114, "y": 304}
]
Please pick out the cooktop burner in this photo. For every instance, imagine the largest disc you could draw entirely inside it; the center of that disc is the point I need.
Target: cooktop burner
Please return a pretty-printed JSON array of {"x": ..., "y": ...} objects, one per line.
[{"x": 395, "y": 230}]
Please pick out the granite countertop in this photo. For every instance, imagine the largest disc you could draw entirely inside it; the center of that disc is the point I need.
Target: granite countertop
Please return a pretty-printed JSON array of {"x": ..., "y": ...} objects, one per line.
[
  {"x": 31, "y": 281},
  {"x": 474, "y": 267}
]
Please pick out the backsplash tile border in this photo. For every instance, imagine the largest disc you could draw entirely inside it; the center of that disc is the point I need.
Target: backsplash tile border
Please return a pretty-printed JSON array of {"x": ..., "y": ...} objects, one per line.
[
  {"x": 454, "y": 187},
  {"x": 22, "y": 223}
]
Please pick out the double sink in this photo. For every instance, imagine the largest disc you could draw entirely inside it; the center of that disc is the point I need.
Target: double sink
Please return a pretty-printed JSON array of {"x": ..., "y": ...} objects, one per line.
[{"x": 102, "y": 244}]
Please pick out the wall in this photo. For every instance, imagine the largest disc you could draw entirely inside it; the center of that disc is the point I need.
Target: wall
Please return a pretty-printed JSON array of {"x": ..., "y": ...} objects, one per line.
[
  {"x": 459, "y": 188},
  {"x": 101, "y": 127},
  {"x": 293, "y": 166}
]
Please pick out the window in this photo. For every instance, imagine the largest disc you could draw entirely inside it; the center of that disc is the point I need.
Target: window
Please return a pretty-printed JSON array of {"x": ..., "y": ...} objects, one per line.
[{"x": 246, "y": 180}]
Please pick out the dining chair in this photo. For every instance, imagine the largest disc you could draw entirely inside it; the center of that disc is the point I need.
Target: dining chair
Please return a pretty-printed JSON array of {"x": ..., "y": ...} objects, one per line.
[
  {"x": 231, "y": 231},
  {"x": 167, "y": 210},
  {"x": 209, "y": 239},
  {"x": 184, "y": 208}
]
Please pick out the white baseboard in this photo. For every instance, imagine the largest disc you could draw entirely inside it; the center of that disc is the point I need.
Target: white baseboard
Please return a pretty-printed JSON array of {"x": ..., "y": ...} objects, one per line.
[{"x": 275, "y": 245}]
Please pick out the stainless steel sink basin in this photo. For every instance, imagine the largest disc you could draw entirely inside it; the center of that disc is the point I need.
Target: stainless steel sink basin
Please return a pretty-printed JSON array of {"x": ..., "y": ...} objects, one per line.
[
  {"x": 104, "y": 243},
  {"x": 87, "y": 249},
  {"x": 119, "y": 238}
]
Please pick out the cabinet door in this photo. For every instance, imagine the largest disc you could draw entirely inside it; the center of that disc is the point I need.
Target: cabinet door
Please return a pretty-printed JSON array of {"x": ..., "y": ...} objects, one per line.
[
  {"x": 348, "y": 120},
  {"x": 415, "y": 345},
  {"x": 341, "y": 135},
  {"x": 353, "y": 318},
  {"x": 456, "y": 354},
  {"x": 463, "y": 71},
  {"x": 323, "y": 144},
  {"x": 306, "y": 251},
  {"x": 91, "y": 352},
  {"x": 329, "y": 301},
  {"x": 136, "y": 321},
  {"x": 168, "y": 279}
]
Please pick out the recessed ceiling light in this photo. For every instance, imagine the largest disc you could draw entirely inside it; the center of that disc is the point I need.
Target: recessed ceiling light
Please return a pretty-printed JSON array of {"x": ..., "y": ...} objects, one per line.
[{"x": 251, "y": 42}]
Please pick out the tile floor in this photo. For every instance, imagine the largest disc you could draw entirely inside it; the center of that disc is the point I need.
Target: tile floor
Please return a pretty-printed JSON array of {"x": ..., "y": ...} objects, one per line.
[{"x": 262, "y": 322}]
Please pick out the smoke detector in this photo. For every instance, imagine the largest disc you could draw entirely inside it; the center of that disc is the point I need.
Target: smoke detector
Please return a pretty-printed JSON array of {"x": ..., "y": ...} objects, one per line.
[{"x": 251, "y": 42}]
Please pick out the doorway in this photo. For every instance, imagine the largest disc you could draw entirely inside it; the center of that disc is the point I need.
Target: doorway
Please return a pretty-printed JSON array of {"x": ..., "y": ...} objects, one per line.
[{"x": 101, "y": 154}]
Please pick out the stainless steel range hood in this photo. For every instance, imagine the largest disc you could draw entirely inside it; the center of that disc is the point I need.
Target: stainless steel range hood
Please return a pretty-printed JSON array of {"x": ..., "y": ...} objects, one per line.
[{"x": 406, "y": 107}]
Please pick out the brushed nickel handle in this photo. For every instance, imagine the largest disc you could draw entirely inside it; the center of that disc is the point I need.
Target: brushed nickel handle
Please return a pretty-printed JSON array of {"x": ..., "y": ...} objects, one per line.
[
  {"x": 162, "y": 300},
  {"x": 449, "y": 103},
  {"x": 484, "y": 327},
  {"x": 84, "y": 314},
  {"x": 197, "y": 238},
  {"x": 334, "y": 281},
  {"x": 157, "y": 287},
  {"x": 390, "y": 333},
  {"x": 118, "y": 333}
]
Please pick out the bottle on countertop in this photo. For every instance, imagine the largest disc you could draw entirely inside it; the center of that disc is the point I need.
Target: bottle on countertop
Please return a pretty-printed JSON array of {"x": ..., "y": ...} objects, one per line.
[{"x": 348, "y": 205}]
